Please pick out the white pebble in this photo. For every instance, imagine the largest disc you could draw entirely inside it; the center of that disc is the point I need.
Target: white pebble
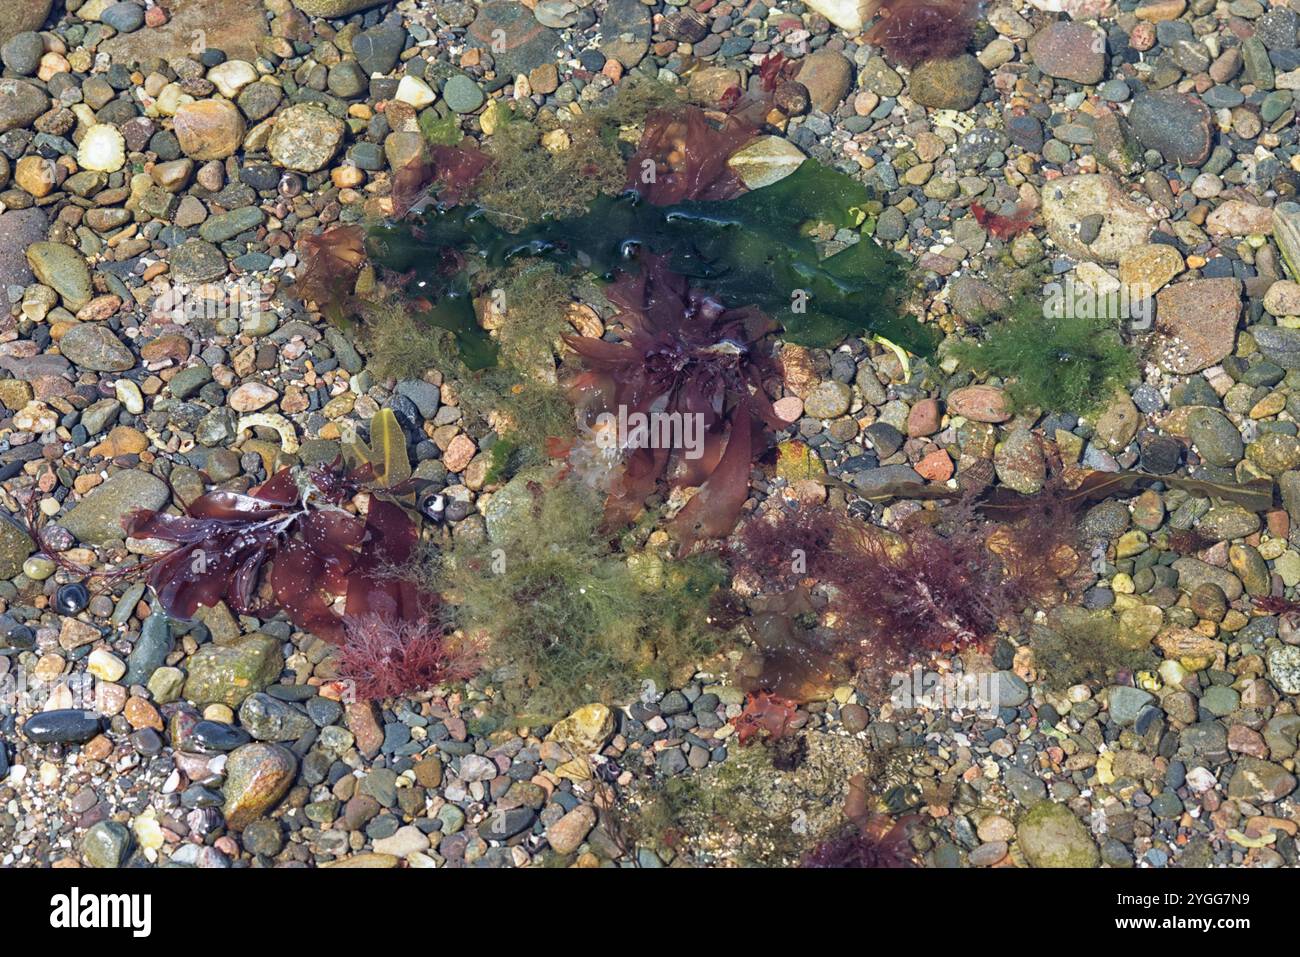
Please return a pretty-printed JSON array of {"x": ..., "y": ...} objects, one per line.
[
  {"x": 105, "y": 665},
  {"x": 415, "y": 92},
  {"x": 102, "y": 148}
]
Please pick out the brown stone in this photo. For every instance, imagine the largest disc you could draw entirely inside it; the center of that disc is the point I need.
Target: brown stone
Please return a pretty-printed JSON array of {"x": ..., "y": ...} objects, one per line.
[
  {"x": 980, "y": 403},
  {"x": 568, "y": 833},
  {"x": 233, "y": 26},
  {"x": 209, "y": 129},
  {"x": 1069, "y": 51},
  {"x": 1196, "y": 322}
]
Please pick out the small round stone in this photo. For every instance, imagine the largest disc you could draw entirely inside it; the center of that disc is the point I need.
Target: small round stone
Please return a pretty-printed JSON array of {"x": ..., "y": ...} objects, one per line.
[
  {"x": 71, "y": 599},
  {"x": 38, "y": 568}
]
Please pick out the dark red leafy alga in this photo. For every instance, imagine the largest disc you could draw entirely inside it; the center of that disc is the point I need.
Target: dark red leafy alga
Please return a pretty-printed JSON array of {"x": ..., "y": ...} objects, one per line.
[
  {"x": 683, "y": 156},
  {"x": 292, "y": 532},
  {"x": 454, "y": 169},
  {"x": 684, "y": 355}
]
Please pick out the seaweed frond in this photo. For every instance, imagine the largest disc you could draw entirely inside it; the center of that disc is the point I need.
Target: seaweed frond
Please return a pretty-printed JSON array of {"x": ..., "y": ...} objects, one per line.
[{"x": 1067, "y": 363}]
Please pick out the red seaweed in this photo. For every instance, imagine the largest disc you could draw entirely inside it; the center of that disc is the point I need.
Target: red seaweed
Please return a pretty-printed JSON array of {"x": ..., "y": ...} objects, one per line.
[
  {"x": 385, "y": 657},
  {"x": 773, "y": 69},
  {"x": 879, "y": 842},
  {"x": 869, "y": 840},
  {"x": 453, "y": 169},
  {"x": 331, "y": 261},
  {"x": 688, "y": 358},
  {"x": 1004, "y": 227},
  {"x": 766, "y": 716},
  {"x": 683, "y": 156},
  {"x": 914, "y": 30},
  {"x": 896, "y": 595},
  {"x": 292, "y": 533}
]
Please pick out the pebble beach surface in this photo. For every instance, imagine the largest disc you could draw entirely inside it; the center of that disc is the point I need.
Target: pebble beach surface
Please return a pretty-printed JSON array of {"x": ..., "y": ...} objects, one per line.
[{"x": 159, "y": 163}]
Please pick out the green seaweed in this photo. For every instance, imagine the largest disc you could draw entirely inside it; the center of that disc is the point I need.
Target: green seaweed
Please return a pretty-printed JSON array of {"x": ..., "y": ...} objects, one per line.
[
  {"x": 400, "y": 348},
  {"x": 1075, "y": 645},
  {"x": 454, "y": 311},
  {"x": 752, "y": 250},
  {"x": 441, "y": 130},
  {"x": 525, "y": 412},
  {"x": 566, "y": 618},
  {"x": 1061, "y": 363},
  {"x": 527, "y": 182}
]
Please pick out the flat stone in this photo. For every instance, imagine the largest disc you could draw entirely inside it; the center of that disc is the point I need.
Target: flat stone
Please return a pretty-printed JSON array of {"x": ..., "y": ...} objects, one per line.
[
  {"x": 1150, "y": 267},
  {"x": 15, "y": 547},
  {"x": 270, "y": 719},
  {"x": 21, "y": 228},
  {"x": 224, "y": 226},
  {"x": 952, "y": 84},
  {"x": 848, "y": 15},
  {"x": 233, "y": 26},
  {"x": 333, "y": 9},
  {"x": 64, "y": 270},
  {"x": 767, "y": 160},
  {"x": 20, "y": 104},
  {"x": 197, "y": 260},
  {"x": 1196, "y": 323},
  {"x": 462, "y": 94},
  {"x": 828, "y": 75},
  {"x": 209, "y": 129},
  {"x": 1284, "y": 668},
  {"x": 1070, "y": 200},
  {"x": 377, "y": 49},
  {"x": 97, "y": 518},
  {"x": 305, "y": 137},
  {"x": 1278, "y": 343},
  {"x": 1192, "y": 572},
  {"x": 1051, "y": 836},
  {"x": 980, "y": 403},
  {"x": 1235, "y": 217},
  {"x": 1069, "y": 51},
  {"x": 626, "y": 27},
  {"x": 105, "y": 844},
  {"x": 229, "y": 674},
  {"x": 62, "y": 726},
  {"x": 1216, "y": 439},
  {"x": 1176, "y": 125},
  {"x": 404, "y": 842},
  {"x": 22, "y": 16},
  {"x": 96, "y": 347},
  {"x": 150, "y": 650},
  {"x": 1260, "y": 782},
  {"x": 509, "y": 31},
  {"x": 1126, "y": 702},
  {"x": 566, "y": 834}
]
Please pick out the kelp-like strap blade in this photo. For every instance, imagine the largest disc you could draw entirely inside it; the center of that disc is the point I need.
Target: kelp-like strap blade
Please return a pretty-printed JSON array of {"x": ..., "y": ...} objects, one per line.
[
  {"x": 1257, "y": 495},
  {"x": 388, "y": 456}
]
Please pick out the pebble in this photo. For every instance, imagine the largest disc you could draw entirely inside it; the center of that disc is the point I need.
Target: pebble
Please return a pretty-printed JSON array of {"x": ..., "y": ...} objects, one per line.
[
  {"x": 208, "y": 129},
  {"x": 305, "y": 138}
]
